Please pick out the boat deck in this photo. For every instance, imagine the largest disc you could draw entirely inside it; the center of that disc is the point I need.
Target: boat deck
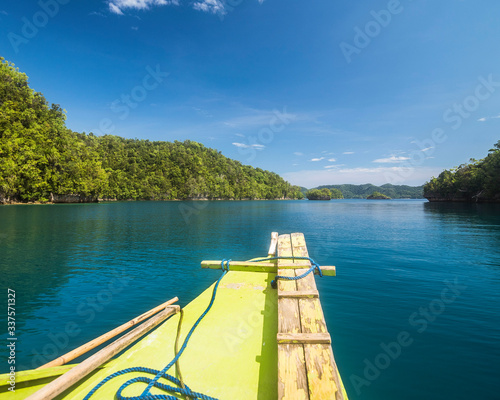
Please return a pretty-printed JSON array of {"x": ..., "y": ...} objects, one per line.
[{"x": 256, "y": 342}]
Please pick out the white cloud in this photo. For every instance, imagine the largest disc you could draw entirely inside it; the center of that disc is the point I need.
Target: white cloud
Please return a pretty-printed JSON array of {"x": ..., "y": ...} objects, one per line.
[
  {"x": 298, "y": 153},
  {"x": 317, "y": 159},
  {"x": 332, "y": 159},
  {"x": 250, "y": 146},
  {"x": 348, "y": 152},
  {"x": 117, "y": 6},
  {"x": 333, "y": 166},
  {"x": 427, "y": 149},
  {"x": 115, "y": 9},
  {"x": 487, "y": 118},
  {"x": 391, "y": 159},
  {"x": 210, "y": 6},
  {"x": 240, "y": 134}
]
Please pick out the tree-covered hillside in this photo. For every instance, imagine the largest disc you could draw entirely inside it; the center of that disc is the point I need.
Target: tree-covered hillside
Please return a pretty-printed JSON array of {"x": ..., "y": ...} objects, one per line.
[
  {"x": 41, "y": 159},
  {"x": 392, "y": 191},
  {"x": 478, "y": 181}
]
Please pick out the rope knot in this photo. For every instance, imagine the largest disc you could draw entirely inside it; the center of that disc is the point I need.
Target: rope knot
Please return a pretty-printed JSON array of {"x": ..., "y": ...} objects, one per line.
[{"x": 225, "y": 264}]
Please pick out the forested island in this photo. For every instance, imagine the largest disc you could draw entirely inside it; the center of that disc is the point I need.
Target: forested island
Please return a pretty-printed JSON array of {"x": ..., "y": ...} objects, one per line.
[
  {"x": 378, "y": 196},
  {"x": 477, "y": 181},
  {"x": 41, "y": 160},
  {"x": 324, "y": 194}
]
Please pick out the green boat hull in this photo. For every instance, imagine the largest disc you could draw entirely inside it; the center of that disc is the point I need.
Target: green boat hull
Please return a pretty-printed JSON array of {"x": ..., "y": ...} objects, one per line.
[{"x": 231, "y": 355}]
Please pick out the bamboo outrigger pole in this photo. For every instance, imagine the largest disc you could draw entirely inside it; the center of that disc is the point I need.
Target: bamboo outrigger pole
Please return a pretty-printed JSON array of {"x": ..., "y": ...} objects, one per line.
[
  {"x": 81, "y": 370},
  {"x": 104, "y": 338}
]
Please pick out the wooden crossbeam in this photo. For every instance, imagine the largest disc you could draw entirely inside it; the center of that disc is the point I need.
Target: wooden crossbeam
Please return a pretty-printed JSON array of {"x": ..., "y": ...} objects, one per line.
[
  {"x": 304, "y": 338},
  {"x": 298, "y": 294},
  {"x": 264, "y": 266}
]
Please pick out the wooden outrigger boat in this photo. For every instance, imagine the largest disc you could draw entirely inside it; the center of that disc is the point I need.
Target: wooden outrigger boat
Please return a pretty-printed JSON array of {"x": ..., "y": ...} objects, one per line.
[{"x": 255, "y": 342}]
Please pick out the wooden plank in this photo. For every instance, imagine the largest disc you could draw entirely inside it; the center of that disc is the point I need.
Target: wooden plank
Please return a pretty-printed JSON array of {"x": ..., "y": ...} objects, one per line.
[
  {"x": 292, "y": 376},
  {"x": 299, "y": 294},
  {"x": 273, "y": 245},
  {"x": 322, "y": 373},
  {"x": 81, "y": 370},
  {"x": 312, "y": 319},
  {"x": 107, "y": 336},
  {"x": 302, "y": 338}
]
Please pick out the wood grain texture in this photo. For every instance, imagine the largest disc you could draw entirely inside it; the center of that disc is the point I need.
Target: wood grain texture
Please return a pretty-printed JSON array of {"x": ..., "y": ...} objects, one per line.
[
  {"x": 322, "y": 374},
  {"x": 303, "y": 338},
  {"x": 299, "y": 294},
  {"x": 292, "y": 375}
]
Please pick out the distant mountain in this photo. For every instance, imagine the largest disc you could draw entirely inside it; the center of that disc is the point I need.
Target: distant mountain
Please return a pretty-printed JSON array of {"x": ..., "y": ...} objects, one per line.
[{"x": 392, "y": 191}]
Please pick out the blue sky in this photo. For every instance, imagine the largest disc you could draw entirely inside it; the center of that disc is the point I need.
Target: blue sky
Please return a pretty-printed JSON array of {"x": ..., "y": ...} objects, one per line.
[{"x": 321, "y": 92}]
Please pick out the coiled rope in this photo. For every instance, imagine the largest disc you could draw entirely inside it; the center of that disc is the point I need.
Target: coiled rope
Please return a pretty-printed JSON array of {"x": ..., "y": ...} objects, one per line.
[{"x": 184, "y": 389}]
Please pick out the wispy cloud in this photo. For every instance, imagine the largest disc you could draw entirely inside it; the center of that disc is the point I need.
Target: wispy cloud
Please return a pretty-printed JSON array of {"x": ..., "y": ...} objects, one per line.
[
  {"x": 332, "y": 159},
  {"x": 348, "y": 152},
  {"x": 317, "y": 159},
  {"x": 487, "y": 118},
  {"x": 117, "y": 6},
  {"x": 210, "y": 6},
  {"x": 250, "y": 146},
  {"x": 333, "y": 166},
  {"x": 298, "y": 153},
  {"x": 391, "y": 159}
]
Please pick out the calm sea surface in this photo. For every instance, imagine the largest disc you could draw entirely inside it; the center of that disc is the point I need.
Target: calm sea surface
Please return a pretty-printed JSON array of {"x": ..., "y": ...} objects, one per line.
[{"x": 426, "y": 275}]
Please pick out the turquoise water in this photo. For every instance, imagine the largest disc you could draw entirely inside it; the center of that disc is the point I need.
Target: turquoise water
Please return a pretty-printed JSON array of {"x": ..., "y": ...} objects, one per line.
[{"x": 425, "y": 274}]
